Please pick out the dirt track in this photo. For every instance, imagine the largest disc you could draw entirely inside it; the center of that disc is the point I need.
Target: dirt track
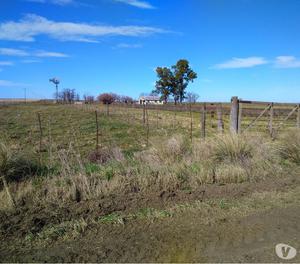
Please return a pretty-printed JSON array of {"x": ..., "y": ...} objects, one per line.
[{"x": 180, "y": 238}]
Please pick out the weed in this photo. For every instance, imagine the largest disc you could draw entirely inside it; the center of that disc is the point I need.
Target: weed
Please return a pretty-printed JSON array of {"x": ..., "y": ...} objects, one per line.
[
  {"x": 289, "y": 146},
  {"x": 113, "y": 218}
]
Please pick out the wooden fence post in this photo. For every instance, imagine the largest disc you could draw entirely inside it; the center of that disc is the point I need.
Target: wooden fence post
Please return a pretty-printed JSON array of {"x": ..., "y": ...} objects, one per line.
[
  {"x": 41, "y": 135},
  {"x": 97, "y": 131},
  {"x": 220, "y": 119},
  {"x": 191, "y": 123},
  {"x": 298, "y": 116},
  {"x": 144, "y": 114},
  {"x": 174, "y": 120},
  {"x": 203, "y": 120},
  {"x": 240, "y": 108},
  {"x": 234, "y": 114},
  {"x": 212, "y": 116},
  {"x": 107, "y": 109},
  {"x": 271, "y": 119},
  {"x": 148, "y": 128}
]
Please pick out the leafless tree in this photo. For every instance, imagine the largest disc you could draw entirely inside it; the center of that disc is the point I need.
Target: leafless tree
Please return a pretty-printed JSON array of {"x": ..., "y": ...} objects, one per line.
[
  {"x": 192, "y": 97},
  {"x": 68, "y": 96},
  {"x": 88, "y": 99}
]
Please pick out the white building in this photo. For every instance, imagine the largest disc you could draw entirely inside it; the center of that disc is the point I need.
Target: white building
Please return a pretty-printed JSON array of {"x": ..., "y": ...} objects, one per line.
[{"x": 150, "y": 99}]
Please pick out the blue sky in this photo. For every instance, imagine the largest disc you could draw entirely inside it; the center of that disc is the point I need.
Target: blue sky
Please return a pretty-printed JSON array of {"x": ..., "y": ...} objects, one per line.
[{"x": 248, "y": 48}]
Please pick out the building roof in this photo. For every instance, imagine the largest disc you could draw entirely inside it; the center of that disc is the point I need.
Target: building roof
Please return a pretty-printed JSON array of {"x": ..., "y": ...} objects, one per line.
[{"x": 150, "y": 97}]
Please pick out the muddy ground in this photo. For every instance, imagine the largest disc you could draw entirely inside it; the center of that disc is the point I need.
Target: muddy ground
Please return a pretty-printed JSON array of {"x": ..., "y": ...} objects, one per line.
[{"x": 180, "y": 238}]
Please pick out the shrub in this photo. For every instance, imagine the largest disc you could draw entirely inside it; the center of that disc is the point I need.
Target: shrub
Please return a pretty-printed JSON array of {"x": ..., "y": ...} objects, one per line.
[
  {"x": 106, "y": 98},
  {"x": 232, "y": 148},
  {"x": 104, "y": 155},
  {"x": 289, "y": 146},
  {"x": 17, "y": 166}
]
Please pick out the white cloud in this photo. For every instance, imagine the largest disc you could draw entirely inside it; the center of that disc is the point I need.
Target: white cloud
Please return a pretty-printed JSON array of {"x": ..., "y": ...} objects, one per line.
[
  {"x": 128, "y": 46},
  {"x": 241, "y": 63},
  {"x": 13, "y": 52},
  {"x": 137, "y": 3},
  {"x": 55, "y": 2},
  {"x": 23, "y": 53},
  {"x": 6, "y": 63},
  {"x": 30, "y": 61},
  {"x": 287, "y": 62},
  {"x": 51, "y": 54},
  {"x": 5, "y": 83},
  {"x": 31, "y": 26}
]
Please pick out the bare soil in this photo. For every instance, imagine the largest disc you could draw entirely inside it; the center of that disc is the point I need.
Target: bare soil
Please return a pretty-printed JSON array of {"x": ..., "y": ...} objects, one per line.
[{"x": 177, "y": 239}]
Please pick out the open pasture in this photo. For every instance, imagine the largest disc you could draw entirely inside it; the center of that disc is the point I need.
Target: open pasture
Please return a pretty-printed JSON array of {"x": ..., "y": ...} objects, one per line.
[{"x": 95, "y": 171}]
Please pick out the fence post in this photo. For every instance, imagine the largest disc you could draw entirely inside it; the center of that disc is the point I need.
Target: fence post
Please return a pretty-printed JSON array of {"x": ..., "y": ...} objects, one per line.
[
  {"x": 174, "y": 120},
  {"x": 298, "y": 116},
  {"x": 144, "y": 114},
  {"x": 191, "y": 123},
  {"x": 97, "y": 131},
  {"x": 148, "y": 128},
  {"x": 240, "y": 109},
  {"x": 203, "y": 120},
  {"x": 107, "y": 109},
  {"x": 271, "y": 119},
  {"x": 41, "y": 136},
  {"x": 234, "y": 114},
  {"x": 220, "y": 119}
]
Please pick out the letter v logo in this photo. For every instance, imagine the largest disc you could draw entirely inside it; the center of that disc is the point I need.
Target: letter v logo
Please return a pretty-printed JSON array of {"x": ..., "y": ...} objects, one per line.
[{"x": 285, "y": 251}]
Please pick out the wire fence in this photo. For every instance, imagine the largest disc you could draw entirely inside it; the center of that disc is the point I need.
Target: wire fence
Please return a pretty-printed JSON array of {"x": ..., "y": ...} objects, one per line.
[{"x": 44, "y": 125}]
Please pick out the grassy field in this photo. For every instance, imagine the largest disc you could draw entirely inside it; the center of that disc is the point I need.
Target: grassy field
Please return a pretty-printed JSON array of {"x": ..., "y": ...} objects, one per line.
[{"x": 59, "y": 188}]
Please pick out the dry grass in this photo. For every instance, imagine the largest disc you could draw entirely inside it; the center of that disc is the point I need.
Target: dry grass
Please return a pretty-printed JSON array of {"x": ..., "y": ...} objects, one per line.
[
  {"x": 167, "y": 165},
  {"x": 289, "y": 146}
]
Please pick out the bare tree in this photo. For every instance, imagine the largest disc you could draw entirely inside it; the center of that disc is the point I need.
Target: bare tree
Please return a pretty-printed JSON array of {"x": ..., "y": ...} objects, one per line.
[
  {"x": 88, "y": 99},
  {"x": 126, "y": 99},
  {"x": 67, "y": 96},
  {"x": 192, "y": 97}
]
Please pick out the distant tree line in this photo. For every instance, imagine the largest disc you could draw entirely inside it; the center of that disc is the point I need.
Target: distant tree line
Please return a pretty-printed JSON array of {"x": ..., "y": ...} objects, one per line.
[
  {"x": 173, "y": 81},
  {"x": 68, "y": 96},
  {"x": 109, "y": 98}
]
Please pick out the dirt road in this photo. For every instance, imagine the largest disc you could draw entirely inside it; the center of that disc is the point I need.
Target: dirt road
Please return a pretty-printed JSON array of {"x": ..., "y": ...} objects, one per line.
[{"x": 178, "y": 239}]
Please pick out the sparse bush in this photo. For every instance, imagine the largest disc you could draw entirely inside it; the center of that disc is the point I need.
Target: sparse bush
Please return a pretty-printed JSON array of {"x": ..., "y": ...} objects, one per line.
[
  {"x": 105, "y": 154},
  {"x": 100, "y": 156},
  {"x": 106, "y": 98},
  {"x": 233, "y": 148},
  {"x": 289, "y": 146},
  {"x": 17, "y": 166}
]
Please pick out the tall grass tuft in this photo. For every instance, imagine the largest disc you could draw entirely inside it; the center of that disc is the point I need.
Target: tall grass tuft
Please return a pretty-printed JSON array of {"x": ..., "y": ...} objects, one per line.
[
  {"x": 232, "y": 148},
  {"x": 289, "y": 146}
]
